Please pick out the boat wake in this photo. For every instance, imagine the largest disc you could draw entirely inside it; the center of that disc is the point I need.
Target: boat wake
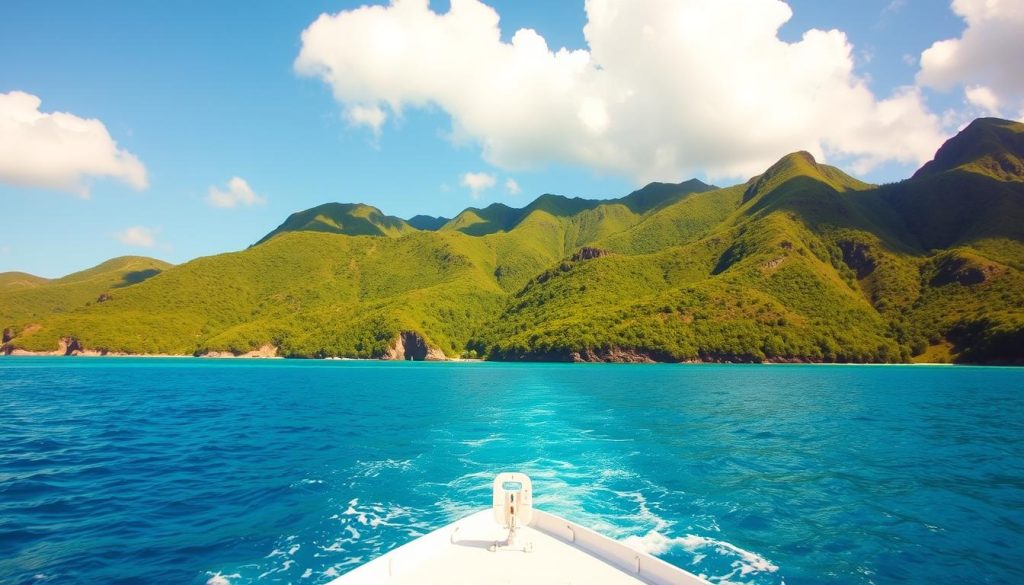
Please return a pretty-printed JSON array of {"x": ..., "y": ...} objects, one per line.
[
  {"x": 603, "y": 492},
  {"x": 743, "y": 564}
]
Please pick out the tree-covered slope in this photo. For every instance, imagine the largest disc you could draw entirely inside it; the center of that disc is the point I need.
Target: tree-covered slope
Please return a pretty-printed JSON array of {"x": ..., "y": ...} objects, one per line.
[
  {"x": 427, "y": 222},
  {"x": 310, "y": 294},
  {"x": 971, "y": 194},
  {"x": 755, "y": 280},
  {"x": 352, "y": 219},
  {"x": 27, "y": 300},
  {"x": 987, "y": 146},
  {"x": 619, "y": 213},
  {"x": 20, "y": 280},
  {"x": 800, "y": 263},
  {"x": 825, "y": 265}
]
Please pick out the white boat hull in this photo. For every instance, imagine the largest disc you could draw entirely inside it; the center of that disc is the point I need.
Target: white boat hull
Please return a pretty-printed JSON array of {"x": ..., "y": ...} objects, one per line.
[{"x": 559, "y": 551}]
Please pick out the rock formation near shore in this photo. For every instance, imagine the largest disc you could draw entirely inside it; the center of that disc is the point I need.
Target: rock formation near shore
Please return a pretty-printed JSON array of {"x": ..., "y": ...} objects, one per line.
[{"x": 411, "y": 346}]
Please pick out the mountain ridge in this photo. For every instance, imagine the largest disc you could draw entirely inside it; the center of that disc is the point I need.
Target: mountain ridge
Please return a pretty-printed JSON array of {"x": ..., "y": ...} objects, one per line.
[{"x": 800, "y": 263}]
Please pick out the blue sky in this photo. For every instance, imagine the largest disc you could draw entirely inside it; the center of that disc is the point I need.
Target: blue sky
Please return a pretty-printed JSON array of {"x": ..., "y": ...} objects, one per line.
[{"x": 197, "y": 93}]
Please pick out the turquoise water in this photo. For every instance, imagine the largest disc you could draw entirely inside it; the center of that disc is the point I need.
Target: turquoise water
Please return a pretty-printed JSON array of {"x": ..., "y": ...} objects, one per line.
[{"x": 176, "y": 470}]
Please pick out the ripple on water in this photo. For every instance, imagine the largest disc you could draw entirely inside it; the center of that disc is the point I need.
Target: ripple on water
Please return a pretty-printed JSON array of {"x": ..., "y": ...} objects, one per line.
[{"x": 294, "y": 472}]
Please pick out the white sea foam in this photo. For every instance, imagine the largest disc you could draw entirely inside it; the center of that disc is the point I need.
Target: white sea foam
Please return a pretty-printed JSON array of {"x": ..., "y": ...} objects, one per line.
[
  {"x": 307, "y": 573},
  {"x": 334, "y": 547},
  {"x": 349, "y": 562},
  {"x": 745, "y": 563},
  {"x": 645, "y": 516},
  {"x": 376, "y": 515},
  {"x": 481, "y": 442},
  {"x": 617, "y": 474},
  {"x": 220, "y": 579},
  {"x": 375, "y": 468},
  {"x": 351, "y": 511}
]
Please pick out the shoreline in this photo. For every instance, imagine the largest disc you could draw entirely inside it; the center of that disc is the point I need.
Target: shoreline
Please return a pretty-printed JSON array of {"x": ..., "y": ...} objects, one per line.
[
  {"x": 229, "y": 356},
  {"x": 71, "y": 347}
]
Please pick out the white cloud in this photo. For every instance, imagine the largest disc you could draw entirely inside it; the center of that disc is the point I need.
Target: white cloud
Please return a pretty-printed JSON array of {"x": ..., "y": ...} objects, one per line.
[
  {"x": 665, "y": 90},
  {"x": 58, "y": 150},
  {"x": 477, "y": 183},
  {"x": 140, "y": 236},
  {"x": 987, "y": 59},
  {"x": 238, "y": 192},
  {"x": 372, "y": 116},
  {"x": 512, "y": 187},
  {"x": 982, "y": 97}
]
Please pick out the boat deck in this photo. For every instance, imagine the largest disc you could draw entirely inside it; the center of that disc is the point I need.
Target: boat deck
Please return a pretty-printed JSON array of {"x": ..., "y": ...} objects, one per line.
[{"x": 561, "y": 553}]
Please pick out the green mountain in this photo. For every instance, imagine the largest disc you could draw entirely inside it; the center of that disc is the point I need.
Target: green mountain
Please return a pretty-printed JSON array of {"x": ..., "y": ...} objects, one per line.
[
  {"x": 27, "y": 300},
  {"x": 498, "y": 217},
  {"x": 800, "y": 263},
  {"x": 987, "y": 146},
  {"x": 20, "y": 280},
  {"x": 350, "y": 219},
  {"x": 427, "y": 222}
]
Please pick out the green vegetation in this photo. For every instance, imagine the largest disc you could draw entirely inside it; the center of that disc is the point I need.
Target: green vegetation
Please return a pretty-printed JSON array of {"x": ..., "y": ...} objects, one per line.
[
  {"x": 27, "y": 300},
  {"x": 801, "y": 263},
  {"x": 351, "y": 219}
]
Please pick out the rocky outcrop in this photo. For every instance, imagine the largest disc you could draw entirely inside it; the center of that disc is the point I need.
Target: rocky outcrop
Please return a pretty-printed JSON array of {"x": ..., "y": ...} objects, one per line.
[
  {"x": 65, "y": 346},
  {"x": 858, "y": 257},
  {"x": 588, "y": 253},
  {"x": 773, "y": 263},
  {"x": 104, "y": 298},
  {"x": 267, "y": 350},
  {"x": 618, "y": 355},
  {"x": 612, "y": 355},
  {"x": 964, "y": 271},
  {"x": 585, "y": 253},
  {"x": 68, "y": 346},
  {"x": 410, "y": 345},
  {"x": 8, "y": 335}
]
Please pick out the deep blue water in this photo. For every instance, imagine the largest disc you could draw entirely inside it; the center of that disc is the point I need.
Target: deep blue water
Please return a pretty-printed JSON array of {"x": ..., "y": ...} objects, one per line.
[{"x": 176, "y": 470}]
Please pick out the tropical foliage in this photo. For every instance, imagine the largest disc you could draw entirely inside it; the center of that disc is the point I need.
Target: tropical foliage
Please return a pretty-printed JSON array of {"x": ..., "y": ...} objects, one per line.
[{"x": 801, "y": 263}]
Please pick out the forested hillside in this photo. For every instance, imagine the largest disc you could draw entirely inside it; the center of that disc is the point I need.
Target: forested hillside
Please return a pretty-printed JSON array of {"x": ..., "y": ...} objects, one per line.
[{"x": 800, "y": 263}]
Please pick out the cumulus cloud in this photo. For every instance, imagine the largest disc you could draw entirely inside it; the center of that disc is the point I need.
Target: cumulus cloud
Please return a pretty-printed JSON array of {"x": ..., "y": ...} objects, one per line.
[
  {"x": 665, "y": 89},
  {"x": 512, "y": 187},
  {"x": 139, "y": 236},
  {"x": 58, "y": 150},
  {"x": 477, "y": 183},
  {"x": 987, "y": 60},
  {"x": 982, "y": 97},
  {"x": 373, "y": 117},
  {"x": 238, "y": 192}
]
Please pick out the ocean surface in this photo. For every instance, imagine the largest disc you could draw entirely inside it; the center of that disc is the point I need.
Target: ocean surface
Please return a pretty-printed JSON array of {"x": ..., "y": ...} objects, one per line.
[{"x": 182, "y": 470}]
